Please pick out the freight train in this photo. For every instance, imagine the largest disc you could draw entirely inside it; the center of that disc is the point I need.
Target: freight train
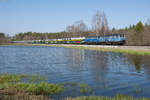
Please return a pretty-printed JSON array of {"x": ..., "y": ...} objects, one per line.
[{"x": 109, "y": 39}]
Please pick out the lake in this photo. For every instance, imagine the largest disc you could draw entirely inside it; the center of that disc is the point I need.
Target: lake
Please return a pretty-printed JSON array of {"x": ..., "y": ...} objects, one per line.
[{"x": 106, "y": 73}]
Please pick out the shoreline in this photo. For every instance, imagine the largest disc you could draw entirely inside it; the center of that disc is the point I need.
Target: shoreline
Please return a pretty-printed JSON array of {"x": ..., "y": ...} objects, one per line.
[{"x": 135, "y": 50}]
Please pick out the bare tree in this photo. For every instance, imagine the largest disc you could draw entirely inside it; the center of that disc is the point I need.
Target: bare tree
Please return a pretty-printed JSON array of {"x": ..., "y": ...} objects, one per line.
[
  {"x": 104, "y": 26},
  {"x": 96, "y": 23},
  {"x": 81, "y": 28},
  {"x": 77, "y": 29},
  {"x": 148, "y": 22},
  {"x": 46, "y": 36},
  {"x": 69, "y": 29},
  {"x": 100, "y": 23}
]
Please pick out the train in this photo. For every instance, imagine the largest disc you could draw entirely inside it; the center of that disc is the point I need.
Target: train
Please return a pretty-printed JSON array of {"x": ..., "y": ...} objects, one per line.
[{"x": 109, "y": 39}]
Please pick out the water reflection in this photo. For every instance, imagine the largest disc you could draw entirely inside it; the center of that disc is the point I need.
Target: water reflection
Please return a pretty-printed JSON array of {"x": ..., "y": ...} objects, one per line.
[
  {"x": 136, "y": 61},
  {"x": 141, "y": 64},
  {"x": 97, "y": 62},
  {"x": 75, "y": 59},
  {"x": 107, "y": 73}
]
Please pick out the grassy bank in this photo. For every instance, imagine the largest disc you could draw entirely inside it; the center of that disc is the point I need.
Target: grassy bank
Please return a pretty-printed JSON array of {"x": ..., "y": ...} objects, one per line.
[
  {"x": 117, "y": 50},
  {"x": 105, "y": 49}
]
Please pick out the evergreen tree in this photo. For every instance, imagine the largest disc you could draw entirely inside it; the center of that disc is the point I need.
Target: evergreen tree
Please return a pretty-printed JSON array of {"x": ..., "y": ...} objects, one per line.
[
  {"x": 139, "y": 27},
  {"x": 2, "y": 35},
  {"x": 138, "y": 36},
  {"x": 133, "y": 26}
]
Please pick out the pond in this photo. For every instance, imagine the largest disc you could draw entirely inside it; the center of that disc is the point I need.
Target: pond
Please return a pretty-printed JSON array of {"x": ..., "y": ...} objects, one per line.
[{"x": 106, "y": 73}]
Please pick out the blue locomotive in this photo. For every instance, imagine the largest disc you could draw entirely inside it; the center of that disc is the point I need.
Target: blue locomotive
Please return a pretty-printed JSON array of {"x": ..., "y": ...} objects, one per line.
[{"x": 110, "y": 39}]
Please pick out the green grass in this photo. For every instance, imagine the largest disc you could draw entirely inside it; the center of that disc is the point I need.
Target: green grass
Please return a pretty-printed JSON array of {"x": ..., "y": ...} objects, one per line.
[
  {"x": 84, "y": 88},
  {"x": 34, "y": 84},
  {"x": 117, "y": 50},
  {"x": 42, "y": 88}
]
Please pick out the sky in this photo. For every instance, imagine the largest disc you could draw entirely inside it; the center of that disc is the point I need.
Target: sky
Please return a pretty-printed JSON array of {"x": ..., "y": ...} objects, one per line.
[{"x": 54, "y": 15}]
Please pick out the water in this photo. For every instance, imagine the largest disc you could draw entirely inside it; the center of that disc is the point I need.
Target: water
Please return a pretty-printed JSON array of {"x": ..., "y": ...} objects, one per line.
[{"x": 106, "y": 73}]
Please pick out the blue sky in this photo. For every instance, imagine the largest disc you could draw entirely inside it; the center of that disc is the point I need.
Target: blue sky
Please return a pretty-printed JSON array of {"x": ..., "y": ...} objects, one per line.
[{"x": 54, "y": 15}]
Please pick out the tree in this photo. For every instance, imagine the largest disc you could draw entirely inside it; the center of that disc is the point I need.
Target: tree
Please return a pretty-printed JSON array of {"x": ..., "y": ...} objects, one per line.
[
  {"x": 113, "y": 30},
  {"x": 133, "y": 26},
  {"x": 139, "y": 27},
  {"x": 137, "y": 37},
  {"x": 100, "y": 23},
  {"x": 104, "y": 27},
  {"x": 2, "y": 35},
  {"x": 96, "y": 23},
  {"x": 81, "y": 27},
  {"x": 4, "y": 38},
  {"x": 148, "y": 21},
  {"x": 77, "y": 29}
]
